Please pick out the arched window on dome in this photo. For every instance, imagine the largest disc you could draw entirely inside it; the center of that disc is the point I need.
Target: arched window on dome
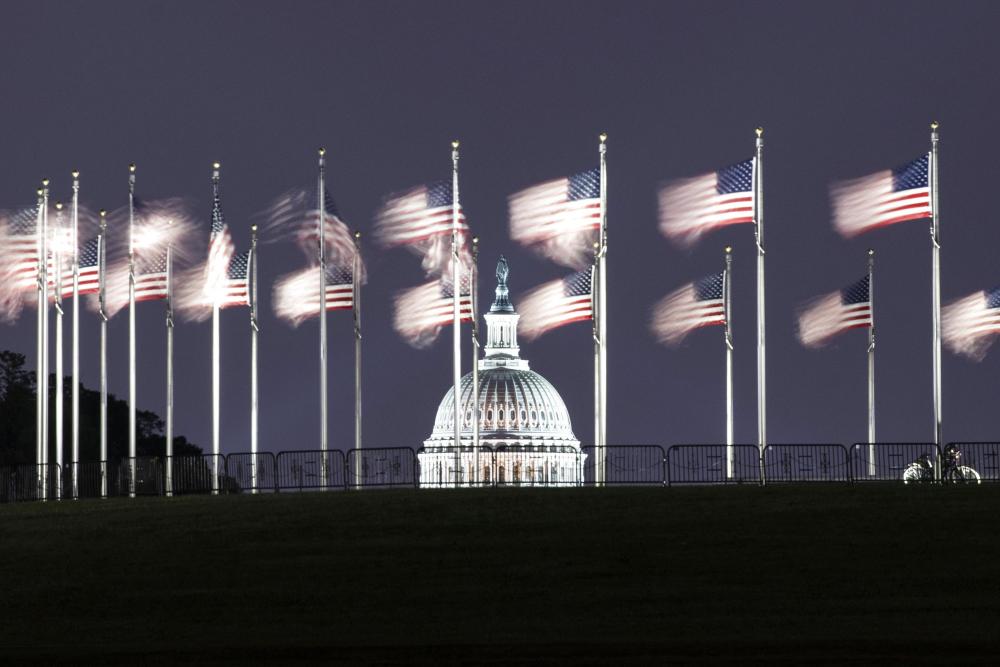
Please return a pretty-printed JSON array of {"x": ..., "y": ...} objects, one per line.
[
  {"x": 500, "y": 416},
  {"x": 523, "y": 415}
]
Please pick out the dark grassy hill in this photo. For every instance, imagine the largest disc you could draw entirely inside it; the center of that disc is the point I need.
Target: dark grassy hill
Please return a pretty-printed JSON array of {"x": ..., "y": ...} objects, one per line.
[{"x": 816, "y": 574}]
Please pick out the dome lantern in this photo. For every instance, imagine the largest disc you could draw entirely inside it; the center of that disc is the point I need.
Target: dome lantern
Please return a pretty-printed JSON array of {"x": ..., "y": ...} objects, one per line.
[{"x": 501, "y": 327}]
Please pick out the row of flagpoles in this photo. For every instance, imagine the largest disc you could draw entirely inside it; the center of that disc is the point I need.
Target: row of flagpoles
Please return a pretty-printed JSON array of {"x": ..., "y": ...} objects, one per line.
[{"x": 564, "y": 220}]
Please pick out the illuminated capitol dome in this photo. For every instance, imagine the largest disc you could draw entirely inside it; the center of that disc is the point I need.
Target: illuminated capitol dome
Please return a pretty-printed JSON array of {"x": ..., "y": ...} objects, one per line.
[{"x": 526, "y": 437}]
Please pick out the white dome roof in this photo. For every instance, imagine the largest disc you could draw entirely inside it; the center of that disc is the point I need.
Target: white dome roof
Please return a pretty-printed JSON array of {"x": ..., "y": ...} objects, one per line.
[{"x": 516, "y": 405}]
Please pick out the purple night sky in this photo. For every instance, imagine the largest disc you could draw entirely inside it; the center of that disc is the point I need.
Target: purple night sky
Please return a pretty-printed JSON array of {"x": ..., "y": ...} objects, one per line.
[{"x": 841, "y": 89}]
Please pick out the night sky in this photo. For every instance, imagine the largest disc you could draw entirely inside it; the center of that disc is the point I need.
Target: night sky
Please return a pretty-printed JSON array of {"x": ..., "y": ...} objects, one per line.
[{"x": 842, "y": 90}]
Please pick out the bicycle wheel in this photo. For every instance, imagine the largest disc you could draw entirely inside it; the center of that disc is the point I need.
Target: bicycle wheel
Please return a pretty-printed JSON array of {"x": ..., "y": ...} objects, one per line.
[
  {"x": 912, "y": 474},
  {"x": 967, "y": 475}
]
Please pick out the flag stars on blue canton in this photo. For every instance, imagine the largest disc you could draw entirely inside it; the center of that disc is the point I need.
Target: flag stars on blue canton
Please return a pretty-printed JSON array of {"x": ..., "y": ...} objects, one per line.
[
  {"x": 439, "y": 194},
  {"x": 339, "y": 275},
  {"x": 88, "y": 254},
  {"x": 709, "y": 288},
  {"x": 579, "y": 283},
  {"x": 23, "y": 224},
  {"x": 856, "y": 293},
  {"x": 735, "y": 178},
  {"x": 911, "y": 176},
  {"x": 585, "y": 185},
  {"x": 993, "y": 298},
  {"x": 238, "y": 266},
  {"x": 155, "y": 264}
]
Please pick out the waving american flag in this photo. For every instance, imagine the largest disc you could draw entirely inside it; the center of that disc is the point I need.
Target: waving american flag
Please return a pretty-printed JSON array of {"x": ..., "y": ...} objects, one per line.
[
  {"x": 695, "y": 305},
  {"x": 692, "y": 207},
  {"x": 883, "y": 198},
  {"x": 834, "y": 313},
  {"x": 969, "y": 325},
  {"x": 421, "y": 312},
  {"x": 557, "y": 304}
]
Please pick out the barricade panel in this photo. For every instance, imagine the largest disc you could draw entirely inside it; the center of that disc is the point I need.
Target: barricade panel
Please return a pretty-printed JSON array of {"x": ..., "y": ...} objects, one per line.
[
  {"x": 627, "y": 464},
  {"x": 250, "y": 472},
  {"x": 381, "y": 467},
  {"x": 806, "y": 463},
  {"x": 310, "y": 469},
  {"x": 709, "y": 464},
  {"x": 982, "y": 457},
  {"x": 887, "y": 461}
]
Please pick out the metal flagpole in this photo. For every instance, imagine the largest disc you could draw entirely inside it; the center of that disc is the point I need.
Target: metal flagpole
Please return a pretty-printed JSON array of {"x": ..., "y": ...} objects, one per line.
[
  {"x": 936, "y": 288},
  {"x": 474, "y": 296},
  {"x": 45, "y": 340},
  {"x": 602, "y": 327},
  {"x": 758, "y": 217},
  {"x": 871, "y": 364},
  {"x": 457, "y": 315},
  {"x": 356, "y": 300},
  {"x": 254, "y": 331},
  {"x": 170, "y": 373},
  {"x": 727, "y": 291},
  {"x": 322, "y": 318},
  {"x": 75, "y": 404},
  {"x": 595, "y": 308},
  {"x": 40, "y": 393},
  {"x": 102, "y": 280},
  {"x": 216, "y": 381},
  {"x": 131, "y": 330},
  {"x": 57, "y": 256}
]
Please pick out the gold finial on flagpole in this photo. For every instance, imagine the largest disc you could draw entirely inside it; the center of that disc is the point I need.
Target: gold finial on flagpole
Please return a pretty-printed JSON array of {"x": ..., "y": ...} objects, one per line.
[
  {"x": 729, "y": 249},
  {"x": 357, "y": 235},
  {"x": 216, "y": 165},
  {"x": 76, "y": 173},
  {"x": 604, "y": 137},
  {"x": 759, "y": 131},
  {"x": 871, "y": 252},
  {"x": 934, "y": 125},
  {"x": 39, "y": 192},
  {"x": 103, "y": 213},
  {"x": 58, "y": 205},
  {"x": 253, "y": 228},
  {"x": 322, "y": 152},
  {"x": 454, "y": 144},
  {"x": 131, "y": 168},
  {"x": 45, "y": 182},
  {"x": 475, "y": 240}
]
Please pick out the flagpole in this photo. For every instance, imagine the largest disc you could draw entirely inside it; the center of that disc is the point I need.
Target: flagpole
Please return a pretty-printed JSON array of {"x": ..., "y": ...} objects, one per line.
[
  {"x": 356, "y": 300},
  {"x": 871, "y": 364},
  {"x": 602, "y": 327},
  {"x": 57, "y": 306},
  {"x": 254, "y": 331},
  {"x": 595, "y": 307},
  {"x": 457, "y": 315},
  {"x": 758, "y": 216},
  {"x": 170, "y": 373},
  {"x": 727, "y": 309},
  {"x": 131, "y": 330},
  {"x": 474, "y": 296},
  {"x": 101, "y": 271},
  {"x": 936, "y": 286},
  {"x": 41, "y": 382},
  {"x": 216, "y": 380},
  {"x": 76, "y": 338},
  {"x": 321, "y": 210}
]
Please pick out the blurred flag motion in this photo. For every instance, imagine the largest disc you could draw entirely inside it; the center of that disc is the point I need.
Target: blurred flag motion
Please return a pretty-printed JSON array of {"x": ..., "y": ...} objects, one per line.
[
  {"x": 90, "y": 266},
  {"x": 968, "y": 325},
  {"x": 695, "y": 305},
  {"x": 235, "y": 288},
  {"x": 421, "y": 312},
  {"x": 692, "y": 207},
  {"x": 296, "y": 295},
  {"x": 834, "y": 313},
  {"x": 883, "y": 198},
  {"x": 556, "y": 304},
  {"x": 560, "y": 219}
]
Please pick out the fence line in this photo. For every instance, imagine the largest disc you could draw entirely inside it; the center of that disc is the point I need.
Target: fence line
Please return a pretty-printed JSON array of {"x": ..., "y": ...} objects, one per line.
[{"x": 551, "y": 466}]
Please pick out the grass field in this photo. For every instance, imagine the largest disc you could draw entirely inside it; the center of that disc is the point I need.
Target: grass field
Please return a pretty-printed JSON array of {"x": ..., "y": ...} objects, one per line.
[{"x": 799, "y": 575}]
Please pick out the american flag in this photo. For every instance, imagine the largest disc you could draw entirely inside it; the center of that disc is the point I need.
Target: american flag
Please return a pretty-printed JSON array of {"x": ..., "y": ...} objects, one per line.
[
  {"x": 417, "y": 215},
  {"x": 829, "y": 315},
  {"x": 968, "y": 325},
  {"x": 557, "y": 303},
  {"x": 90, "y": 266},
  {"x": 296, "y": 294},
  {"x": 695, "y": 305},
  {"x": 235, "y": 289},
  {"x": 565, "y": 206},
  {"x": 21, "y": 252},
  {"x": 151, "y": 274},
  {"x": 694, "y": 206},
  {"x": 883, "y": 198},
  {"x": 336, "y": 236},
  {"x": 422, "y": 311},
  {"x": 220, "y": 251}
]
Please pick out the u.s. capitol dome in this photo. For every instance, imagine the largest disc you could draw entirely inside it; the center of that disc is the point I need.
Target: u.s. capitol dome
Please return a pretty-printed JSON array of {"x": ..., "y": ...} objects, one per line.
[{"x": 525, "y": 432}]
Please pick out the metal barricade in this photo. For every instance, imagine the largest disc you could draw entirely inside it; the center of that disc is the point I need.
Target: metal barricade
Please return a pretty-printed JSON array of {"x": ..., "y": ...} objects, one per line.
[
  {"x": 636, "y": 465},
  {"x": 29, "y": 481},
  {"x": 90, "y": 478},
  {"x": 381, "y": 467},
  {"x": 251, "y": 472},
  {"x": 204, "y": 473},
  {"x": 982, "y": 457},
  {"x": 806, "y": 463},
  {"x": 140, "y": 476},
  {"x": 887, "y": 461},
  {"x": 710, "y": 464},
  {"x": 543, "y": 466},
  {"x": 310, "y": 469}
]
